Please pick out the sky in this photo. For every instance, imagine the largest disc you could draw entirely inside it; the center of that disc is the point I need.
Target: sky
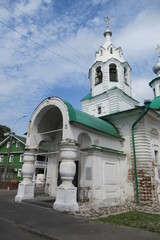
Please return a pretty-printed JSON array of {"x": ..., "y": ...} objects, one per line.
[{"x": 48, "y": 46}]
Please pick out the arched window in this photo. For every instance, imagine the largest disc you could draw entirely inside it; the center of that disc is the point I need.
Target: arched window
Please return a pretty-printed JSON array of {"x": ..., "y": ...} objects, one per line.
[
  {"x": 84, "y": 141},
  {"x": 111, "y": 51},
  {"x": 113, "y": 73},
  {"x": 125, "y": 75},
  {"x": 98, "y": 76}
]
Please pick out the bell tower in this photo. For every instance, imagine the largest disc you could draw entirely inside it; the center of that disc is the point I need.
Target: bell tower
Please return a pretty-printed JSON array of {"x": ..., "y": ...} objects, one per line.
[
  {"x": 155, "y": 83},
  {"x": 109, "y": 80}
]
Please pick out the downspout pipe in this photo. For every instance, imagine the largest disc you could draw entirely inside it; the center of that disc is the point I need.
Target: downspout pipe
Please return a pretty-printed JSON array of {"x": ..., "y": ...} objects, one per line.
[{"x": 147, "y": 107}]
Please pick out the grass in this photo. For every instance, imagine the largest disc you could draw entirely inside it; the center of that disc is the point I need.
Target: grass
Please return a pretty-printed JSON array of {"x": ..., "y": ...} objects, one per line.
[{"x": 136, "y": 219}]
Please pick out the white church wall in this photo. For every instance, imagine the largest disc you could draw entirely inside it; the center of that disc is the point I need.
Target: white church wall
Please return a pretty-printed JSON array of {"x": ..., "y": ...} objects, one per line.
[
  {"x": 97, "y": 138},
  {"x": 101, "y": 178}
]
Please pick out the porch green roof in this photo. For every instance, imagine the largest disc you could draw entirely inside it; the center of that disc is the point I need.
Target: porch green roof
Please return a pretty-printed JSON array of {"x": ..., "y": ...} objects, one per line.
[{"x": 91, "y": 121}]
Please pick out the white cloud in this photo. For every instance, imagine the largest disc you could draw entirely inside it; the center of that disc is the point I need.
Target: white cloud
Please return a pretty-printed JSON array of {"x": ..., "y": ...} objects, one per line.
[
  {"x": 140, "y": 37},
  {"x": 30, "y": 6}
]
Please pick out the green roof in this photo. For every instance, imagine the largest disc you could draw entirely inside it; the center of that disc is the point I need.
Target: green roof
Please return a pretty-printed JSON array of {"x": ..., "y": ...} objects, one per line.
[
  {"x": 155, "y": 79},
  {"x": 91, "y": 121},
  {"x": 155, "y": 103},
  {"x": 103, "y": 149},
  {"x": 113, "y": 88},
  {"x": 89, "y": 96}
]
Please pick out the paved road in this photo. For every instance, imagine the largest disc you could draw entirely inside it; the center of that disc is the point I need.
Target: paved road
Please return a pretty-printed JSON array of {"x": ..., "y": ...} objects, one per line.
[{"x": 27, "y": 222}]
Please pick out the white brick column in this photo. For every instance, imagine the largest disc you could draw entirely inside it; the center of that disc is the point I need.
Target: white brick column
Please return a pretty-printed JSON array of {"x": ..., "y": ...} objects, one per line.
[
  {"x": 66, "y": 197},
  {"x": 26, "y": 187}
]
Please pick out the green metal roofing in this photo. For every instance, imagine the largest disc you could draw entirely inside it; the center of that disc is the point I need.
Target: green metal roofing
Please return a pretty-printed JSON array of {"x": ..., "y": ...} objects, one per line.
[
  {"x": 155, "y": 104},
  {"x": 89, "y": 96},
  {"x": 155, "y": 79},
  {"x": 90, "y": 121},
  {"x": 103, "y": 149}
]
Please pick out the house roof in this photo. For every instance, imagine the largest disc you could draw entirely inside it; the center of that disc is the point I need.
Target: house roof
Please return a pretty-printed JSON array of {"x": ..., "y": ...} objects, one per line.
[
  {"x": 19, "y": 138},
  {"x": 91, "y": 121}
]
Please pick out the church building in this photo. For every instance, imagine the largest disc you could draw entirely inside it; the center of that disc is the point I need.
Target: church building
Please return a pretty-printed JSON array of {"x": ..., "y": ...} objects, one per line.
[{"x": 107, "y": 153}]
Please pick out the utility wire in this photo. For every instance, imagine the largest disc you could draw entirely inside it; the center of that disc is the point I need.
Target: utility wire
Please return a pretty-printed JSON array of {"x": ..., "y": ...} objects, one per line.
[
  {"x": 42, "y": 46},
  {"x": 51, "y": 34},
  {"x": 137, "y": 94},
  {"x": 41, "y": 32}
]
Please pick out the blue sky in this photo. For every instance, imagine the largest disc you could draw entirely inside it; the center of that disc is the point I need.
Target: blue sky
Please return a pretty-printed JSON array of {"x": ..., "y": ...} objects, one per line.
[{"x": 48, "y": 46}]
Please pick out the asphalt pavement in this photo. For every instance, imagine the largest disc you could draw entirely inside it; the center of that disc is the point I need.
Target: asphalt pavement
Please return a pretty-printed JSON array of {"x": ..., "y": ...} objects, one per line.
[{"x": 37, "y": 220}]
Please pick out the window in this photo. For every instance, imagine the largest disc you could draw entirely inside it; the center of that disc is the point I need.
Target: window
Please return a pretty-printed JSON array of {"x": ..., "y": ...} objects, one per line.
[
  {"x": 10, "y": 174},
  {"x": 21, "y": 158},
  {"x": 101, "y": 52},
  {"x": 113, "y": 72},
  {"x": 156, "y": 155},
  {"x": 125, "y": 75},
  {"x": 17, "y": 144},
  {"x": 111, "y": 51},
  {"x": 19, "y": 173},
  {"x": 8, "y": 144},
  {"x": 98, "y": 76},
  {"x": 11, "y": 158},
  {"x": 154, "y": 91},
  {"x": 99, "y": 110},
  {"x": 1, "y": 158}
]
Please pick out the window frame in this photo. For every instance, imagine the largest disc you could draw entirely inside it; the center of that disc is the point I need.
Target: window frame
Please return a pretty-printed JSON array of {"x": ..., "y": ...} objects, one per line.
[
  {"x": 11, "y": 157},
  {"x": 8, "y": 144},
  {"x": 1, "y": 158},
  {"x": 21, "y": 158},
  {"x": 19, "y": 173},
  {"x": 17, "y": 144}
]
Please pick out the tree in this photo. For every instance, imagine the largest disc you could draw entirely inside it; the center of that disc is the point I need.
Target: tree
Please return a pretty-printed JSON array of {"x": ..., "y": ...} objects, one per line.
[{"x": 4, "y": 132}]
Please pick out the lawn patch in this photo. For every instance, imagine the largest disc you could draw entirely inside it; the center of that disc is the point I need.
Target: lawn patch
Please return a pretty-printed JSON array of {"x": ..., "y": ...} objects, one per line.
[{"x": 136, "y": 219}]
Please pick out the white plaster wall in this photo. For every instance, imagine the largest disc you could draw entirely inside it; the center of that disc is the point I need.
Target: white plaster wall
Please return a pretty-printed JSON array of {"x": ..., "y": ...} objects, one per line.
[
  {"x": 103, "y": 186},
  {"x": 102, "y": 139},
  {"x": 52, "y": 174},
  {"x": 110, "y": 102}
]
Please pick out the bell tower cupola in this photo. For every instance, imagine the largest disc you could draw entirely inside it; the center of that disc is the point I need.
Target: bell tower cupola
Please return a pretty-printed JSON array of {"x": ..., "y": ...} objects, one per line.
[
  {"x": 155, "y": 83},
  {"x": 107, "y": 34}
]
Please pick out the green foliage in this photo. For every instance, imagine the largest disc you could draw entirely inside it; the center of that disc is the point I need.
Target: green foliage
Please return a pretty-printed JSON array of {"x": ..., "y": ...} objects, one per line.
[
  {"x": 136, "y": 219},
  {"x": 4, "y": 132}
]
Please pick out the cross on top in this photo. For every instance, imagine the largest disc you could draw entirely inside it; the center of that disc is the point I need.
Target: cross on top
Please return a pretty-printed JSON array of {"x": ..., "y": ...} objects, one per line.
[{"x": 107, "y": 21}]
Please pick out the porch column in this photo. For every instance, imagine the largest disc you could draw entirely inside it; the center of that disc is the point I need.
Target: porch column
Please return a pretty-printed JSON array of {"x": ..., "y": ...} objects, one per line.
[
  {"x": 66, "y": 197},
  {"x": 26, "y": 187}
]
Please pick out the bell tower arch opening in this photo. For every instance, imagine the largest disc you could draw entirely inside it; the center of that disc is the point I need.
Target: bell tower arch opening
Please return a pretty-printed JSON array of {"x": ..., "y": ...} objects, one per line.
[
  {"x": 98, "y": 75},
  {"x": 113, "y": 72}
]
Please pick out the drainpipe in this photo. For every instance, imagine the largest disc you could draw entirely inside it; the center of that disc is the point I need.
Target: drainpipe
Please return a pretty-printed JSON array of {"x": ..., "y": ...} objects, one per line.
[{"x": 147, "y": 107}]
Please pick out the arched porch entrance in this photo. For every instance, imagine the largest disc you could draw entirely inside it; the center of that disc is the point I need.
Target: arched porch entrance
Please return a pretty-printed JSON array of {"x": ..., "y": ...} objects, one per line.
[{"x": 49, "y": 127}]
